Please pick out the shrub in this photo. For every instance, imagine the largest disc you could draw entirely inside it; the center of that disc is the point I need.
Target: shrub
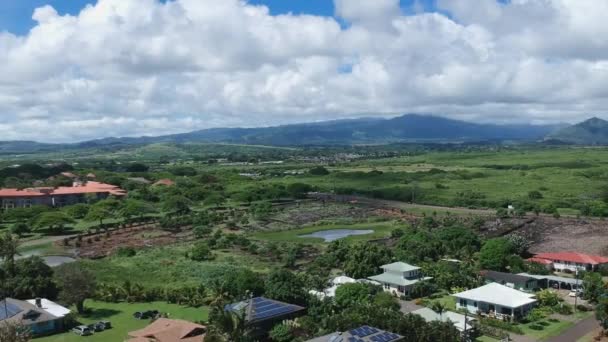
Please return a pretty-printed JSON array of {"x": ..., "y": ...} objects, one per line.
[
  {"x": 536, "y": 327},
  {"x": 126, "y": 252},
  {"x": 563, "y": 309},
  {"x": 583, "y": 308},
  {"x": 507, "y": 326}
]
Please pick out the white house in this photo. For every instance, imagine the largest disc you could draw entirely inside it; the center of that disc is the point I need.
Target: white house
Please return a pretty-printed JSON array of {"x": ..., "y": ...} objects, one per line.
[
  {"x": 330, "y": 292},
  {"x": 496, "y": 300},
  {"x": 461, "y": 322},
  {"x": 570, "y": 261},
  {"x": 399, "y": 278}
]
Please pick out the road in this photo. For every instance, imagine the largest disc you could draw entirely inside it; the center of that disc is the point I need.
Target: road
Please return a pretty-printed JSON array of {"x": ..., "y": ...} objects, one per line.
[{"x": 578, "y": 331}]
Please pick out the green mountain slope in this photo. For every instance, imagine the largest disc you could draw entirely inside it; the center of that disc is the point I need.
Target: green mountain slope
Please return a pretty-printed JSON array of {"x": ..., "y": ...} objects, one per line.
[{"x": 590, "y": 132}]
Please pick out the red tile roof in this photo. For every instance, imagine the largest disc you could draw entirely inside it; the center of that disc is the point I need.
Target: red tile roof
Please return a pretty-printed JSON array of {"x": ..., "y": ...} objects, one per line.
[
  {"x": 573, "y": 257},
  {"x": 165, "y": 182},
  {"x": 170, "y": 330},
  {"x": 87, "y": 188},
  {"x": 540, "y": 261}
]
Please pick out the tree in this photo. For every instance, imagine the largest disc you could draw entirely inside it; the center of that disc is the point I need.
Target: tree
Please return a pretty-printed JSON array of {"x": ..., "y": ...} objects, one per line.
[
  {"x": 281, "y": 333},
  {"x": 299, "y": 190},
  {"x": 520, "y": 244},
  {"x": 76, "y": 284},
  {"x": 601, "y": 312},
  {"x": 77, "y": 211},
  {"x": 594, "y": 286},
  {"x": 32, "y": 278},
  {"x": 356, "y": 293},
  {"x": 318, "y": 171},
  {"x": 20, "y": 228},
  {"x": 14, "y": 332},
  {"x": 54, "y": 221},
  {"x": 176, "y": 204},
  {"x": 364, "y": 260},
  {"x": 548, "y": 298},
  {"x": 137, "y": 167},
  {"x": 285, "y": 286},
  {"x": 201, "y": 252},
  {"x": 202, "y": 231},
  {"x": 135, "y": 208},
  {"x": 8, "y": 251},
  {"x": 494, "y": 254},
  {"x": 439, "y": 307},
  {"x": 98, "y": 213}
]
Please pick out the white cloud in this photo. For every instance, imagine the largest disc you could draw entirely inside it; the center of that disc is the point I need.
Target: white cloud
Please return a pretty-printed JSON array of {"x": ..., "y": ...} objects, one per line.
[{"x": 134, "y": 67}]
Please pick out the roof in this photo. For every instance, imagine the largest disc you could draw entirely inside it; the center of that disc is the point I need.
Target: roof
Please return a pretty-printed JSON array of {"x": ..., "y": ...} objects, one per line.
[
  {"x": 495, "y": 293},
  {"x": 141, "y": 180},
  {"x": 507, "y": 277},
  {"x": 570, "y": 281},
  {"x": 343, "y": 280},
  {"x": 24, "y": 312},
  {"x": 260, "y": 309},
  {"x": 540, "y": 261},
  {"x": 87, "y": 188},
  {"x": 396, "y": 279},
  {"x": 165, "y": 182},
  {"x": 399, "y": 267},
  {"x": 170, "y": 330},
  {"x": 574, "y": 257},
  {"x": 51, "y": 307},
  {"x": 361, "y": 334},
  {"x": 456, "y": 318}
]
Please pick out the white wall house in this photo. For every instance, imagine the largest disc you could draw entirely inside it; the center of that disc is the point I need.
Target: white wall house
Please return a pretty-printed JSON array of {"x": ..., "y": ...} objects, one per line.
[
  {"x": 496, "y": 300},
  {"x": 571, "y": 261},
  {"x": 399, "y": 278}
]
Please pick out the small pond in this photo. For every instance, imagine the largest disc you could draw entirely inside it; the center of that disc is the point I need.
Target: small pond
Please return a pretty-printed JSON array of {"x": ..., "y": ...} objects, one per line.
[
  {"x": 51, "y": 260},
  {"x": 336, "y": 234}
]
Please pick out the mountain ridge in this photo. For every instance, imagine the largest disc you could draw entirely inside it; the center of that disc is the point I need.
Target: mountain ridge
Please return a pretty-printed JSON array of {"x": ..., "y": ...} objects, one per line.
[{"x": 593, "y": 131}]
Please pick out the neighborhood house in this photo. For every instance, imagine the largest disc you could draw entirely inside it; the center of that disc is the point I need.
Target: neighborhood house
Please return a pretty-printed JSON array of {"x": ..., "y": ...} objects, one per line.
[
  {"x": 570, "y": 261},
  {"x": 361, "y": 334},
  {"x": 399, "y": 278},
  {"x": 516, "y": 281},
  {"x": 261, "y": 314},
  {"x": 169, "y": 330},
  {"x": 461, "y": 322},
  {"x": 41, "y": 316},
  {"x": 497, "y": 301}
]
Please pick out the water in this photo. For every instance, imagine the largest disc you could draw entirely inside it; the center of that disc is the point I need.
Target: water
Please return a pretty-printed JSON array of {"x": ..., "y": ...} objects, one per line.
[
  {"x": 336, "y": 234},
  {"x": 51, "y": 260}
]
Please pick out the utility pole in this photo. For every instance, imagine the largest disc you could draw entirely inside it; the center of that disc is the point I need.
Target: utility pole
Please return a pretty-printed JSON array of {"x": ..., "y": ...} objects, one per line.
[
  {"x": 576, "y": 292},
  {"x": 464, "y": 333}
]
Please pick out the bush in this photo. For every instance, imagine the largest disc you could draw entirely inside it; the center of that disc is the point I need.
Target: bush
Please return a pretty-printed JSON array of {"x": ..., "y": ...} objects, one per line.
[
  {"x": 507, "y": 326},
  {"x": 126, "y": 252},
  {"x": 201, "y": 252},
  {"x": 536, "y": 327},
  {"x": 563, "y": 309},
  {"x": 583, "y": 308}
]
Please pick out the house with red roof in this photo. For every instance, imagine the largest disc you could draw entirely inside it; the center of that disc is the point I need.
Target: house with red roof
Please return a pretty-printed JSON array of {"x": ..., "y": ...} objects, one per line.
[
  {"x": 58, "y": 197},
  {"x": 570, "y": 261}
]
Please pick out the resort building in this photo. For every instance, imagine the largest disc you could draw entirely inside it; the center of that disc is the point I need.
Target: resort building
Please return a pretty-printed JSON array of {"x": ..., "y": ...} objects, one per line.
[
  {"x": 399, "y": 278},
  {"x": 570, "y": 261},
  {"x": 497, "y": 301},
  {"x": 58, "y": 197}
]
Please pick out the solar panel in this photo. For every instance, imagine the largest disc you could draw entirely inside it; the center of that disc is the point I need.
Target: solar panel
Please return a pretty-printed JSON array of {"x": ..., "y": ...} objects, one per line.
[{"x": 8, "y": 310}]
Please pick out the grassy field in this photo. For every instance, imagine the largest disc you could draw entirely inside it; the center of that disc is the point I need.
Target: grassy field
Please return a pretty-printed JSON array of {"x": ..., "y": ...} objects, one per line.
[
  {"x": 550, "y": 330},
  {"x": 448, "y": 301},
  {"x": 120, "y": 314},
  {"x": 381, "y": 230}
]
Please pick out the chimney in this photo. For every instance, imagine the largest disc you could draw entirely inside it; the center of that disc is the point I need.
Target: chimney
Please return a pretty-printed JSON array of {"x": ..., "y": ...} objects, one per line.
[{"x": 39, "y": 302}]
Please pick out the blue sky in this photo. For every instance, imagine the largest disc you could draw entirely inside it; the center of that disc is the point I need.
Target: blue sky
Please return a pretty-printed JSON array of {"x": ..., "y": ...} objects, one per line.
[{"x": 16, "y": 15}]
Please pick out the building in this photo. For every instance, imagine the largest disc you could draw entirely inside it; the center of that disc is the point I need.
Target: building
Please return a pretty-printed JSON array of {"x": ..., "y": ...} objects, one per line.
[
  {"x": 361, "y": 334},
  {"x": 41, "y": 316},
  {"x": 571, "y": 261},
  {"x": 169, "y": 330},
  {"x": 556, "y": 282},
  {"x": 516, "y": 281},
  {"x": 496, "y": 300},
  {"x": 399, "y": 278},
  {"x": 164, "y": 182},
  {"x": 58, "y": 197},
  {"x": 464, "y": 324},
  {"x": 262, "y": 314},
  {"x": 330, "y": 292}
]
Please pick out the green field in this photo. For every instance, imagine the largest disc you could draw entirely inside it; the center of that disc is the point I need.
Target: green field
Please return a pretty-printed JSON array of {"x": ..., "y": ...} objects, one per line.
[
  {"x": 120, "y": 315},
  {"x": 551, "y": 330}
]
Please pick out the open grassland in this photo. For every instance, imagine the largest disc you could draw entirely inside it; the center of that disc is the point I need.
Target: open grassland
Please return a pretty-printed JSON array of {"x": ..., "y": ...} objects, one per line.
[
  {"x": 120, "y": 315},
  {"x": 381, "y": 230}
]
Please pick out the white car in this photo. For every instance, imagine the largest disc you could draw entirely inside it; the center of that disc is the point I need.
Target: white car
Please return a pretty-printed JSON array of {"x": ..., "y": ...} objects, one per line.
[
  {"x": 82, "y": 330},
  {"x": 575, "y": 293}
]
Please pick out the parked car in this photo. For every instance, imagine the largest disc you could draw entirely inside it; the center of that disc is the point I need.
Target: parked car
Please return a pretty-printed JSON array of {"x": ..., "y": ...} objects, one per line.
[
  {"x": 106, "y": 324},
  {"x": 146, "y": 314},
  {"x": 575, "y": 293},
  {"x": 82, "y": 330},
  {"x": 97, "y": 327}
]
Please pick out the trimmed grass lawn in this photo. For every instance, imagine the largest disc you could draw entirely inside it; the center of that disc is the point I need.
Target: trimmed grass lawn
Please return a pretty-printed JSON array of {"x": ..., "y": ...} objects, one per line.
[
  {"x": 485, "y": 339},
  {"x": 448, "y": 301},
  {"x": 551, "y": 330},
  {"x": 120, "y": 314},
  {"x": 381, "y": 230}
]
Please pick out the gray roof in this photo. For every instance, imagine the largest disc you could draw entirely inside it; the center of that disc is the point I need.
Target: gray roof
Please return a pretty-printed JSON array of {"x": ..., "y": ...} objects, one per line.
[
  {"x": 495, "y": 293},
  {"x": 507, "y": 277},
  {"x": 361, "y": 334},
  {"x": 23, "y": 312},
  {"x": 400, "y": 267},
  {"x": 396, "y": 279},
  {"x": 448, "y": 316},
  {"x": 570, "y": 281}
]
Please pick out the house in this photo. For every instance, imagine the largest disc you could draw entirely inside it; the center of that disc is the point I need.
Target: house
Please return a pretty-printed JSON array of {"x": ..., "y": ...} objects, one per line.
[
  {"x": 556, "y": 282},
  {"x": 261, "y": 314},
  {"x": 139, "y": 180},
  {"x": 41, "y": 316},
  {"x": 464, "y": 324},
  {"x": 330, "y": 292},
  {"x": 399, "y": 278},
  {"x": 571, "y": 261},
  {"x": 496, "y": 300},
  {"x": 169, "y": 330},
  {"x": 548, "y": 264},
  {"x": 164, "y": 182},
  {"x": 361, "y": 334},
  {"x": 58, "y": 197},
  {"x": 515, "y": 281}
]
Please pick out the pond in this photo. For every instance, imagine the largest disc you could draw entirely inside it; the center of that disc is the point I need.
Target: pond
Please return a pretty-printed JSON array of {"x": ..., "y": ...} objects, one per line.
[
  {"x": 336, "y": 234},
  {"x": 51, "y": 260}
]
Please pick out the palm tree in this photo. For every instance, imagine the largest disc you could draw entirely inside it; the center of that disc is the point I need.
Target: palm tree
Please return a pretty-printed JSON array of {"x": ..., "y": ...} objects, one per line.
[
  {"x": 8, "y": 251},
  {"x": 439, "y": 308}
]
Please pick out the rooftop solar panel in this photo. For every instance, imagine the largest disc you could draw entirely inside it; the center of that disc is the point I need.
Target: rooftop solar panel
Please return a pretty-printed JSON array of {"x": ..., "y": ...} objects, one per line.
[{"x": 8, "y": 310}]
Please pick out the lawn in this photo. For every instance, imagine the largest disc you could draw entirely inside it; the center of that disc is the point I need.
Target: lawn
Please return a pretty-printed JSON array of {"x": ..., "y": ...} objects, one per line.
[
  {"x": 381, "y": 230},
  {"x": 550, "y": 330},
  {"x": 448, "y": 301},
  {"x": 120, "y": 314}
]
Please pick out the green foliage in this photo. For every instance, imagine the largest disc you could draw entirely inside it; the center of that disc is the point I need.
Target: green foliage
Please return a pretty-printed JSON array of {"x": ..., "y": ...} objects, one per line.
[
  {"x": 535, "y": 195},
  {"x": 520, "y": 244},
  {"x": 594, "y": 286},
  {"x": 202, "y": 231},
  {"x": 33, "y": 278},
  {"x": 285, "y": 286},
  {"x": 364, "y": 260},
  {"x": 176, "y": 205},
  {"x": 318, "y": 171},
  {"x": 494, "y": 254},
  {"x": 137, "y": 167},
  {"x": 201, "y": 252},
  {"x": 298, "y": 190},
  {"x": 183, "y": 171},
  {"x": 77, "y": 211},
  {"x": 548, "y": 298},
  {"x": 125, "y": 252},
  {"x": 53, "y": 221},
  {"x": 76, "y": 284},
  {"x": 20, "y": 228},
  {"x": 601, "y": 311},
  {"x": 281, "y": 333},
  {"x": 356, "y": 293}
]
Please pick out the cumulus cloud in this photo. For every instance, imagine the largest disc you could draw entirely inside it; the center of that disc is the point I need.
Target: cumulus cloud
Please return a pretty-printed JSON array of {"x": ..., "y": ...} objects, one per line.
[{"x": 135, "y": 67}]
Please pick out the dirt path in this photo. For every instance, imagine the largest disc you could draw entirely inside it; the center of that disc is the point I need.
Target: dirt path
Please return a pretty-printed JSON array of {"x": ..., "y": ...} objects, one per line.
[{"x": 578, "y": 331}]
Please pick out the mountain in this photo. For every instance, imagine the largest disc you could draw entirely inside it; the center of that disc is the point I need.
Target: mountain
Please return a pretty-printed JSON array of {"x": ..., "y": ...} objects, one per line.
[
  {"x": 590, "y": 132},
  {"x": 406, "y": 128}
]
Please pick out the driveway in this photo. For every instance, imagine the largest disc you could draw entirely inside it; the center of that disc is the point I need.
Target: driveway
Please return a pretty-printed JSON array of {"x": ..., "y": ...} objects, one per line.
[{"x": 409, "y": 306}]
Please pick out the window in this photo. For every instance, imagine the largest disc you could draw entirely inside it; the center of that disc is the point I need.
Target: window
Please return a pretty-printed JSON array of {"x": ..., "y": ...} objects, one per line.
[
  {"x": 463, "y": 302},
  {"x": 475, "y": 304}
]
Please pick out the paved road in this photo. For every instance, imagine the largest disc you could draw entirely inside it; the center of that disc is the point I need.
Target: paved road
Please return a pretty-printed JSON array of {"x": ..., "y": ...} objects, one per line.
[{"x": 578, "y": 331}]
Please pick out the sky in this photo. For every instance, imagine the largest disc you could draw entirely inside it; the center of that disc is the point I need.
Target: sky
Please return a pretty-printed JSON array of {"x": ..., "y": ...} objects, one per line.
[{"x": 72, "y": 70}]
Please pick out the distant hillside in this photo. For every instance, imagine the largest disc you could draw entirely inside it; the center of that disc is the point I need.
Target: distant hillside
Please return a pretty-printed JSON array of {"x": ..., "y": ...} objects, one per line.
[
  {"x": 590, "y": 132},
  {"x": 406, "y": 128}
]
